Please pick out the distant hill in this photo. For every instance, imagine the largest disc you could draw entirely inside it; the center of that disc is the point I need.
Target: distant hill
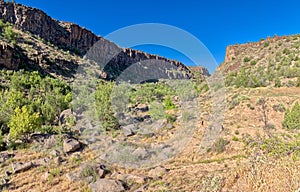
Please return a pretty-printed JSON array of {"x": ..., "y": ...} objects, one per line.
[{"x": 270, "y": 62}]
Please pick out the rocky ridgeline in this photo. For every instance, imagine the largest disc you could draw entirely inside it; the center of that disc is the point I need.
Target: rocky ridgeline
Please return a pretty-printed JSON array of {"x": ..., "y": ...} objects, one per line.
[
  {"x": 235, "y": 54},
  {"x": 37, "y": 22},
  {"x": 232, "y": 51},
  {"x": 78, "y": 39}
]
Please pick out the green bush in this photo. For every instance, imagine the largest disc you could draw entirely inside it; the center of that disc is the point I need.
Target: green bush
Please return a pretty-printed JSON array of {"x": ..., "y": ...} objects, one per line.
[
  {"x": 253, "y": 62},
  {"x": 169, "y": 103},
  {"x": 43, "y": 95},
  {"x": 291, "y": 118},
  {"x": 22, "y": 123},
  {"x": 246, "y": 59},
  {"x": 9, "y": 34},
  {"x": 104, "y": 107}
]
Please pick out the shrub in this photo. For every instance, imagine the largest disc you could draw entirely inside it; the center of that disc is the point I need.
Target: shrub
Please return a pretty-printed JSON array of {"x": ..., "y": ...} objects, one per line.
[
  {"x": 266, "y": 44},
  {"x": 253, "y": 62},
  {"x": 157, "y": 111},
  {"x": 278, "y": 107},
  {"x": 9, "y": 34},
  {"x": 169, "y": 103},
  {"x": 277, "y": 82},
  {"x": 235, "y": 138},
  {"x": 286, "y": 51},
  {"x": 89, "y": 170},
  {"x": 104, "y": 107},
  {"x": 220, "y": 145},
  {"x": 291, "y": 118},
  {"x": 22, "y": 123},
  {"x": 246, "y": 59}
]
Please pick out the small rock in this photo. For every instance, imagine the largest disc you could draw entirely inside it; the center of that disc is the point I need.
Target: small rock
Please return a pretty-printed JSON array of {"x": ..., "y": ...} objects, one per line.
[
  {"x": 169, "y": 126},
  {"x": 7, "y": 173},
  {"x": 159, "y": 124},
  {"x": 4, "y": 156},
  {"x": 140, "y": 152},
  {"x": 136, "y": 178},
  {"x": 128, "y": 130},
  {"x": 70, "y": 145},
  {"x": 101, "y": 173},
  {"x": 42, "y": 161},
  {"x": 58, "y": 160},
  {"x": 157, "y": 172},
  {"x": 72, "y": 177},
  {"x": 21, "y": 167},
  {"x": 107, "y": 185},
  {"x": 55, "y": 153},
  {"x": 46, "y": 176}
]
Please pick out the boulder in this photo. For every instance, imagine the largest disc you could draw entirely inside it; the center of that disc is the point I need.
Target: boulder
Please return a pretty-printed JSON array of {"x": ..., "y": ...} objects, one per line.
[
  {"x": 4, "y": 156},
  {"x": 157, "y": 172},
  {"x": 128, "y": 130},
  {"x": 21, "y": 167},
  {"x": 107, "y": 185},
  {"x": 159, "y": 124},
  {"x": 70, "y": 145}
]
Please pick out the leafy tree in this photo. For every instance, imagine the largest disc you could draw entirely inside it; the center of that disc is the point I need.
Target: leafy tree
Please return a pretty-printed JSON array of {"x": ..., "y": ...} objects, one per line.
[
  {"x": 104, "y": 107},
  {"x": 22, "y": 123}
]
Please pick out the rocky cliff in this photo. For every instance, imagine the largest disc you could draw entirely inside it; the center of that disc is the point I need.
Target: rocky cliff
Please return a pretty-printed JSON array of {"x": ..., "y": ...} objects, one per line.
[
  {"x": 69, "y": 36},
  {"x": 269, "y": 62}
]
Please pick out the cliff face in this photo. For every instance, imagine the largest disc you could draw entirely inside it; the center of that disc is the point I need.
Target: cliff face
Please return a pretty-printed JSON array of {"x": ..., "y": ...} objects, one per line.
[
  {"x": 35, "y": 21},
  {"x": 77, "y": 39},
  {"x": 9, "y": 57}
]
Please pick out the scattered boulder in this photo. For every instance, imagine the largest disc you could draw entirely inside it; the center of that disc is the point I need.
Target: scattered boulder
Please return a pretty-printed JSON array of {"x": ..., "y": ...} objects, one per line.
[
  {"x": 157, "y": 172},
  {"x": 128, "y": 130},
  {"x": 70, "y": 145},
  {"x": 107, "y": 185},
  {"x": 21, "y": 167},
  {"x": 140, "y": 153},
  {"x": 136, "y": 178},
  {"x": 54, "y": 153},
  {"x": 42, "y": 161},
  {"x": 4, "y": 156},
  {"x": 159, "y": 124},
  {"x": 72, "y": 177}
]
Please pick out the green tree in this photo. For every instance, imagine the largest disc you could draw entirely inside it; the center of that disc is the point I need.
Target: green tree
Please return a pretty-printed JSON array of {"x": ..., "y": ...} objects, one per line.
[
  {"x": 104, "y": 107},
  {"x": 22, "y": 123}
]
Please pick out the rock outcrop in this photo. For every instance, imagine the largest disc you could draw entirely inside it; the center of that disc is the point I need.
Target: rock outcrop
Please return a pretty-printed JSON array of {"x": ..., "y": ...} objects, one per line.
[
  {"x": 35, "y": 21},
  {"x": 69, "y": 36},
  {"x": 260, "y": 52},
  {"x": 9, "y": 57}
]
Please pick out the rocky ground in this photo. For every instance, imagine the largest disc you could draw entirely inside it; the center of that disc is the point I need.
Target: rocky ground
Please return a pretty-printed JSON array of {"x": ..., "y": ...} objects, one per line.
[{"x": 242, "y": 156}]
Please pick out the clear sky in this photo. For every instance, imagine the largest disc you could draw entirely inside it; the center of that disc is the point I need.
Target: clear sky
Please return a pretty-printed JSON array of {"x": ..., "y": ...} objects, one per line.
[{"x": 217, "y": 23}]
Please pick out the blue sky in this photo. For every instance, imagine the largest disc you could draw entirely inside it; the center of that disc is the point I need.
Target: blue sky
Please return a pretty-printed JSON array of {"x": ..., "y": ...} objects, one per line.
[{"x": 217, "y": 23}]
